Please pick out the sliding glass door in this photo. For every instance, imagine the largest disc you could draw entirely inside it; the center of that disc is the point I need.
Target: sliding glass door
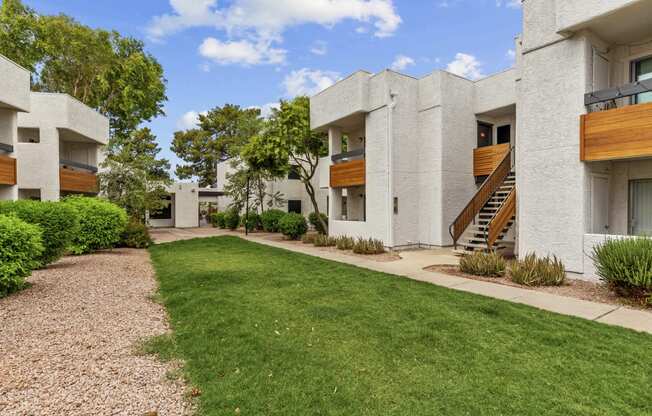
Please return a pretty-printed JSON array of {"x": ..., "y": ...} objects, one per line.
[
  {"x": 642, "y": 71},
  {"x": 640, "y": 207}
]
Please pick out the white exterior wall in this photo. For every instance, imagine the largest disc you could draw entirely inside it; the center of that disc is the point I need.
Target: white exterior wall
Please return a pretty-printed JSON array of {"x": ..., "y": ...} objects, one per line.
[
  {"x": 38, "y": 163},
  {"x": 14, "y": 85},
  {"x": 186, "y": 205},
  {"x": 571, "y": 13}
]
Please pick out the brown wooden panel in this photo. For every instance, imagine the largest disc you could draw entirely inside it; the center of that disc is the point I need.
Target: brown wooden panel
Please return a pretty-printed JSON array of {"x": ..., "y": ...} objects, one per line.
[
  {"x": 76, "y": 181},
  {"x": 486, "y": 159},
  {"x": 504, "y": 215},
  {"x": 620, "y": 133},
  {"x": 7, "y": 170},
  {"x": 348, "y": 174}
]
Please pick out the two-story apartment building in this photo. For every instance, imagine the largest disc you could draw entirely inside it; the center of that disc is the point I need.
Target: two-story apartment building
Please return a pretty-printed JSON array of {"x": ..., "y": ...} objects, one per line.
[
  {"x": 550, "y": 156},
  {"x": 50, "y": 144}
]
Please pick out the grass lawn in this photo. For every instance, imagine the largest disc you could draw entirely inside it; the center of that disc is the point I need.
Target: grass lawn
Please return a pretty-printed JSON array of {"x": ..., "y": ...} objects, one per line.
[{"x": 271, "y": 332}]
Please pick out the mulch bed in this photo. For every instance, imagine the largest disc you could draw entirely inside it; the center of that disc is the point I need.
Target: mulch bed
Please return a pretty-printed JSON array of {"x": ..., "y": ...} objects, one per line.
[{"x": 574, "y": 288}]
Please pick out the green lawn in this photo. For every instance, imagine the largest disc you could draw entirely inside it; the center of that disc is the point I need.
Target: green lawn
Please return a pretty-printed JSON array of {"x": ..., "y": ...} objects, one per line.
[{"x": 273, "y": 332}]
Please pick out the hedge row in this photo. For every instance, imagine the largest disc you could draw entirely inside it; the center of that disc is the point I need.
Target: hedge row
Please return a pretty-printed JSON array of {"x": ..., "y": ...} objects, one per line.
[
  {"x": 290, "y": 224},
  {"x": 34, "y": 234}
]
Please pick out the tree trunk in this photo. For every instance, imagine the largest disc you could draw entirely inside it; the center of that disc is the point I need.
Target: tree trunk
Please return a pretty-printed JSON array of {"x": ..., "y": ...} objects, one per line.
[{"x": 315, "y": 206}]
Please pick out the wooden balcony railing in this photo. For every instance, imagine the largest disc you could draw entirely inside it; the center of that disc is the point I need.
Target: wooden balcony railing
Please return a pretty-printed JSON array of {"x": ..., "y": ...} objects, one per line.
[
  {"x": 7, "y": 170},
  {"x": 78, "y": 181},
  {"x": 347, "y": 174},
  {"x": 485, "y": 159},
  {"x": 489, "y": 186},
  {"x": 621, "y": 133}
]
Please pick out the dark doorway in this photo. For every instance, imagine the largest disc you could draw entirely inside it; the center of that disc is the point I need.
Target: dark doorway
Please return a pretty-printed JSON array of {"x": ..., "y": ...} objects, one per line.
[
  {"x": 504, "y": 134},
  {"x": 294, "y": 205},
  {"x": 485, "y": 134}
]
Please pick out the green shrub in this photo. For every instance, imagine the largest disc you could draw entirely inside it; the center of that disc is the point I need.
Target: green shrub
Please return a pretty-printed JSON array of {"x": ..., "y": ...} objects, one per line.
[
  {"x": 308, "y": 238},
  {"x": 293, "y": 225},
  {"x": 368, "y": 246},
  {"x": 626, "y": 266},
  {"x": 483, "y": 264},
  {"x": 322, "y": 240},
  {"x": 217, "y": 220},
  {"x": 251, "y": 221},
  {"x": 533, "y": 271},
  {"x": 136, "y": 235},
  {"x": 20, "y": 251},
  {"x": 314, "y": 221},
  {"x": 101, "y": 224},
  {"x": 231, "y": 219},
  {"x": 58, "y": 222},
  {"x": 270, "y": 219},
  {"x": 344, "y": 243}
]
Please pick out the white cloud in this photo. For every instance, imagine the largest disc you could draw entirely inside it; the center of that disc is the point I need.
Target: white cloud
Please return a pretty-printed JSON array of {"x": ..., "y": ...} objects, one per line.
[
  {"x": 241, "y": 52},
  {"x": 189, "y": 120},
  {"x": 319, "y": 48},
  {"x": 466, "y": 66},
  {"x": 308, "y": 81},
  {"x": 401, "y": 62},
  {"x": 512, "y": 4},
  {"x": 261, "y": 23},
  {"x": 266, "y": 109}
]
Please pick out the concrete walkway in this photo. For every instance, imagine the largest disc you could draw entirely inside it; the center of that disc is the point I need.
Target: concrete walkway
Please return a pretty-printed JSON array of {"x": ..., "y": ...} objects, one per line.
[{"x": 412, "y": 263}]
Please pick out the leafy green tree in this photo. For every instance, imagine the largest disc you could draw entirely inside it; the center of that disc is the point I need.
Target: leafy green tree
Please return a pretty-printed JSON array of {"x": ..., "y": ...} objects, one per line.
[
  {"x": 288, "y": 140},
  {"x": 133, "y": 177},
  {"x": 19, "y": 34},
  {"x": 256, "y": 180},
  {"x": 220, "y": 135}
]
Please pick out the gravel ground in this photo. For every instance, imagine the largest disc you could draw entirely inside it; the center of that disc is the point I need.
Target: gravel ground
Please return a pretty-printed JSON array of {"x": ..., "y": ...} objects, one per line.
[{"x": 68, "y": 343}]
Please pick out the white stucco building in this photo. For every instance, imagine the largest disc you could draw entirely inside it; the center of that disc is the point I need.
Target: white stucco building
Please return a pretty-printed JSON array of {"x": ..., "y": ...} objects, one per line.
[
  {"x": 187, "y": 206},
  {"x": 549, "y": 157},
  {"x": 50, "y": 144},
  {"x": 290, "y": 189}
]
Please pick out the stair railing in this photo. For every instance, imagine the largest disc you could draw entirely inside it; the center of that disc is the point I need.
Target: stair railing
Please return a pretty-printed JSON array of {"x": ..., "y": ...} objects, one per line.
[
  {"x": 488, "y": 187},
  {"x": 500, "y": 219}
]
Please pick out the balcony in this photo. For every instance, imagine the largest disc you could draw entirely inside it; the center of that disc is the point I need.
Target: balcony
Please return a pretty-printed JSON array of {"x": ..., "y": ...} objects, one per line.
[
  {"x": 616, "y": 133},
  {"x": 77, "y": 177},
  {"x": 7, "y": 170},
  {"x": 487, "y": 158},
  {"x": 349, "y": 169}
]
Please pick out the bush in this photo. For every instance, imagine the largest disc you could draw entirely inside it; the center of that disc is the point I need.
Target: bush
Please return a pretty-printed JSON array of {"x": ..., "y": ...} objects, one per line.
[
  {"x": 58, "y": 222},
  {"x": 217, "y": 220},
  {"x": 293, "y": 225},
  {"x": 136, "y": 235},
  {"x": 231, "y": 219},
  {"x": 322, "y": 240},
  {"x": 314, "y": 221},
  {"x": 251, "y": 221},
  {"x": 344, "y": 243},
  {"x": 533, "y": 271},
  {"x": 270, "y": 219},
  {"x": 101, "y": 224},
  {"x": 20, "y": 251},
  {"x": 308, "y": 238},
  {"x": 368, "y": 246},
  {"x": 483, "y": 264},
  {"x": 626, "y": 266}
]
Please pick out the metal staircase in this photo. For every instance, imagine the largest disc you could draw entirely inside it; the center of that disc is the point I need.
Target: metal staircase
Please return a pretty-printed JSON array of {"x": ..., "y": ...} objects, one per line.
[{"x": 484, "y": 222}]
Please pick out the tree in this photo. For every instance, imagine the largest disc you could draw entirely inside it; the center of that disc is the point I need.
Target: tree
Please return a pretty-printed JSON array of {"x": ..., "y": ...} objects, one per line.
[
  {"x": 19, "y": 32},
  {"x": 288, "y": 140},
  {"x": 220, "y": 135},
  {"x": 247, "y": 182},
  {"x": 134, "y": 178}
]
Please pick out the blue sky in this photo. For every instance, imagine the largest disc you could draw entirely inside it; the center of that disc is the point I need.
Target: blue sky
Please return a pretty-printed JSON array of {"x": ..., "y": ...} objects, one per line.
[{"x": 254, "y": 52}]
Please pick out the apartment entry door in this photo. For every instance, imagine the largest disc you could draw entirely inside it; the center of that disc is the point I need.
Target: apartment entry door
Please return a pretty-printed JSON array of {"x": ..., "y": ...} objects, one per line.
[
  {"x": 640, "y": 207},
  {"x": 599, "y": 204}
]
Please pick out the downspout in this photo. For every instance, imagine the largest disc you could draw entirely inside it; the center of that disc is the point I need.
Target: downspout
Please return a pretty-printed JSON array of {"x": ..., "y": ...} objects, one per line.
[{"x": 390, "y": 166}]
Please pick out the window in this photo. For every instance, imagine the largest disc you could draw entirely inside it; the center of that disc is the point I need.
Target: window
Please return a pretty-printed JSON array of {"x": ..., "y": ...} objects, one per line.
[
  {"x": 485, "y": 134},
  {"x": 294, "y": 205},
  {"x": 504, "y": 134},
  {"x": 165, "y": 213},
  {"x": 294, "y": 173},
  {"x": 642, "y": 70},
  {"x": 640, "y": 207},
  {"x": 29, "y": 135}
]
